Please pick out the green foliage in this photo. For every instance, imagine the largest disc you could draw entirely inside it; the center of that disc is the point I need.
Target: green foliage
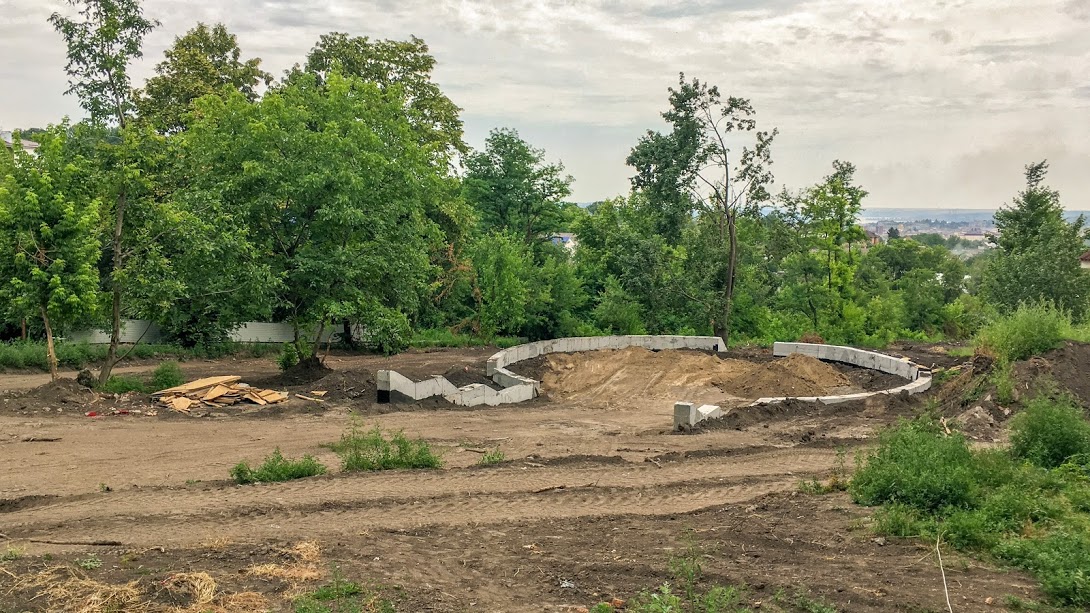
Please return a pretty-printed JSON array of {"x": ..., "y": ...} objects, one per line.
[
  {"x": 166, "y": 375},
  {"x": 90, "y": 562},
  {"x": 78, "y": 355},
  {"x": 1003, "y": 379},
  {"x": 1031, "y": 516},
  {"x": 277, "y": 468},
  {"x": 916, "y": 467},
  {"x": 341, "y": 596},
  {"x": 289, "y": 356},
  {"x": 443, "y": 337},
  {"x": 494, "y": 456},
  {"x": 503, "y": 268},
  {"x": 387, "y": 331},
  {"x": 1030, "y": 330},
  {"x": 1049, "y": 432},
  {"x": 11, "y": 554},
  {"x": 201, "y": 62},
  {"x": 122, "y": 384},
  {"x": 371, "y": 450}
]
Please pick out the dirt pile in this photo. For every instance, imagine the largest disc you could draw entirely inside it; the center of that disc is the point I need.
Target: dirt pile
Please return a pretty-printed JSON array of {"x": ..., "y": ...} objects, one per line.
[
  {"x": 1069, "y": 366},
  {"x": 639, "y": 372},
  {"x": 59, "y": 392}
]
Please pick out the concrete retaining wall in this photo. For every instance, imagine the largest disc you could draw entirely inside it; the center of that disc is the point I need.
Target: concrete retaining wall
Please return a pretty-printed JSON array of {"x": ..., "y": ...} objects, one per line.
[
  {"x": 517, "y": 388},
  {"x": 686, "y": 416}
]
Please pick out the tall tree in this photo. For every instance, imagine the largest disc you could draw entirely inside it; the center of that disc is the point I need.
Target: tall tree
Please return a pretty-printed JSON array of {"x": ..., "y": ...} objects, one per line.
[
  {"x": 691, "y": 169},
  {"x": 832, "y": 208},
  {"x": 513, "y": 189},
  {"x": 202, "y": 61},
  {"x": 1037, "y": 256},
  {"x": 50, "y": 222},
  {"x": 332, "y": 187},
  {"x": 406, "y": 66},
  {"x": 104, "y": 38}
]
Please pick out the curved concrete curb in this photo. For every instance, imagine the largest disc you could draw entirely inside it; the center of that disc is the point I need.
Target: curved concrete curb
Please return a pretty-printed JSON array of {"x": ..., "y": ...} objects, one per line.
[
  {"x": 686, "y": 415},
  {"x": 517, "y": 388}
]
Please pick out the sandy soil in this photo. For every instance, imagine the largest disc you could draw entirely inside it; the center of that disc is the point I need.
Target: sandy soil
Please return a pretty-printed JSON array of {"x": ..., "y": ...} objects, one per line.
[{"x": 596, "y": 492}]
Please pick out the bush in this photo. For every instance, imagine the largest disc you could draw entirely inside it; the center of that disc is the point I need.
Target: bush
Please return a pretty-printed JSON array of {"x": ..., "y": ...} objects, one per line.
[
  {"x": 277, "y": 468},
  {"x": 388, "y": 332},
  {"x": 916, "y": 465},
  {"x": 372, "y": 451},
  {"x": 167, "y": 375},
  {"x": 1030, "y": 330},
  {"x": 1061, "y": 561},
  {"x": 492, "y": 457},
  {"x": 289, "y": 356},
  {"x": 1049, "y": 432},
  {"x": 120, "y": 384}
]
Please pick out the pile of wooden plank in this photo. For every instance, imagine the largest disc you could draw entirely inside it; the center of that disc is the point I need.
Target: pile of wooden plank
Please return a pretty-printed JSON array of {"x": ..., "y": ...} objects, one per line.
[{"x": 215, "y": 392}]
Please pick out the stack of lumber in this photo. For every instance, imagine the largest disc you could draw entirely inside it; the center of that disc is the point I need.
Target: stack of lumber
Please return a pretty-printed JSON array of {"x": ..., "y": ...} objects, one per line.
[{"x": 215, "y": 392}]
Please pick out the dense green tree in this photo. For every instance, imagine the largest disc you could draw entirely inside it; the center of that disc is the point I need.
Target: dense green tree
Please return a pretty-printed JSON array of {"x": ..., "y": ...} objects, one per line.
[
  {"x": 691, "y": 170},
  {"x": 513, "y": 189},
  {"x": 404, "y": 66},
  {"x": 332, "y": 187},
  {"x": 1037, "y": 255},
  {"x": 102, "y": 41},
  {"x": 202, "y": 61},
  {"x": 502, "y": 284},
  {"x": 49, "y": 221}
]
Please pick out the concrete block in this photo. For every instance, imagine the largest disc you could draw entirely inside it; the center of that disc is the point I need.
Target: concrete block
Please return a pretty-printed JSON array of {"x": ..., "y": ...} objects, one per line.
[
  {"x": 844, "y": 398},
  {"x": 684, "y": 415},
  {"x": 709, "y": 411}
]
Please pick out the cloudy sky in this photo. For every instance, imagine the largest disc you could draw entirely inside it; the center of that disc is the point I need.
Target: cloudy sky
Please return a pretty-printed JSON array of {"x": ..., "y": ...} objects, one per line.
[{"x": 940, "y": 103}]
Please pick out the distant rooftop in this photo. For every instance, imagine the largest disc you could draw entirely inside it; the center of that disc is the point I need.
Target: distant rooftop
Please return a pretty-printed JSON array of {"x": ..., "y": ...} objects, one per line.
[
  {"x": 9, "y": 139},
  {"x": 1085, "y": 257}
]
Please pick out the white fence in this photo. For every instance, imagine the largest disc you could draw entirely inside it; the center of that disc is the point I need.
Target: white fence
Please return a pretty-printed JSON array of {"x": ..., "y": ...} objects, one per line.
[{"x": 144, "y": 331}]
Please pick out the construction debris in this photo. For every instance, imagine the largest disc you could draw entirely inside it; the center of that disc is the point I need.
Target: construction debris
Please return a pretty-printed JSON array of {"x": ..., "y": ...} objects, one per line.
[{"x": 215, "y": 392}]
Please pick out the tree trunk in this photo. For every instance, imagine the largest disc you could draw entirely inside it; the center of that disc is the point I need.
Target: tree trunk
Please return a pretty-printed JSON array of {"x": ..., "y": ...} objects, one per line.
[
  {"x": 115, "y": 313},
  {"x": 49, "y": 345},
  {"x": 732, "y": 265}
]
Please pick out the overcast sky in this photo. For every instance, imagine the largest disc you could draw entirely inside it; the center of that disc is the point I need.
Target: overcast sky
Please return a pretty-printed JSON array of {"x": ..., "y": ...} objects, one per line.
[{"x": 939, "y": 103}]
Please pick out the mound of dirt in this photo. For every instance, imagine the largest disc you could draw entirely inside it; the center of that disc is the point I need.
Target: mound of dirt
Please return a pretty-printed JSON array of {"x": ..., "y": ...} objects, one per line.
[
  {"x": 61, "y": 391},
  {"x": 638, "y": 372},
  {"x": 304, "y": 373},
  {"x": 1069, "y": 366}
]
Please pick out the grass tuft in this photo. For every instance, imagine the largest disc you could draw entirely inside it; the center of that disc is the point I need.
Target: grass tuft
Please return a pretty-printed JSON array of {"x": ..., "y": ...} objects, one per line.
[
  {"x": 1030, "y": 330},
  {"x": 492, "y": 457},
  {"x": 277, "y": 468},
  {"x": 371, "y": 450}
]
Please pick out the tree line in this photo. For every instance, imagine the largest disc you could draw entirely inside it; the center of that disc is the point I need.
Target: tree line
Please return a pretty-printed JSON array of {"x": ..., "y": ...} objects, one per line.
[{"x": 342, "y": 196}]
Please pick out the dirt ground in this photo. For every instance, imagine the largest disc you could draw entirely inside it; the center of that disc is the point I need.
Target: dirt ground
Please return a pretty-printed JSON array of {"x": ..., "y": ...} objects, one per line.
[{"x": 595, "y": 496}]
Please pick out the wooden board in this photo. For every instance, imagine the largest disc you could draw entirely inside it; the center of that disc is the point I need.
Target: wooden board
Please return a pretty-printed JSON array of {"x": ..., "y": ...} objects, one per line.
[{"x": 199, "y": 384}]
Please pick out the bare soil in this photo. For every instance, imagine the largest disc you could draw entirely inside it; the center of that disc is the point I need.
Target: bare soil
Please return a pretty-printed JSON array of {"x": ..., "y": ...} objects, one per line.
[{"x": 595, "y": 496}]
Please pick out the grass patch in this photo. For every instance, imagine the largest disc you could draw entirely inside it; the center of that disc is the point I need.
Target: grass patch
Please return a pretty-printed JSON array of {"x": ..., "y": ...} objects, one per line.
[
  {"x": 372, "y": 450},
  {"x": 123, "y": 384},
  {"x": 21, "y": 355},
  {"x": 1027, "y": 506},
  {"x": 1030, "y": 330},
  {"x": 340, "y": 596},
  {"x": 11, "y": 554},
  {"x": 91, "y": 562},
  {"x": 492, "y": 457},
  {"x": 277, "y": 468}
]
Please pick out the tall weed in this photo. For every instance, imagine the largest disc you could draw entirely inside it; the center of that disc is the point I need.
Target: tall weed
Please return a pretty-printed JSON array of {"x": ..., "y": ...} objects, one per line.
[{"x": 1030, "y": 330}]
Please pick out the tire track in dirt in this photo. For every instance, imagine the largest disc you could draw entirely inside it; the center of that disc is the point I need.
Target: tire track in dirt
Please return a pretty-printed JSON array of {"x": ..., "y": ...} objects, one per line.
[
  {"x": 325, "y": 520},
  {"x": 401, "y": 499}
]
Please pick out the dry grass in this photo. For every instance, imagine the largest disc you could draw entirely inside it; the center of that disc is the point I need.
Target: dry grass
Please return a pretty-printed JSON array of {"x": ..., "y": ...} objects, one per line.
[
  {"x": 200, "y": 586},
  {"x": 216, "y": 544},
  {"x": 68, "y": 589},
  {"x": 307, "y": 552},
  {"x": 295, "y": 573}
]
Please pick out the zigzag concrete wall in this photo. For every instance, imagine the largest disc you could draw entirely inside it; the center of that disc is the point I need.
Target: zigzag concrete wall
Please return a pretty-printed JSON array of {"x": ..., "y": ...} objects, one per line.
[
  {"x": 517, "y": 388},
  {"x": 687, "y": 416}
]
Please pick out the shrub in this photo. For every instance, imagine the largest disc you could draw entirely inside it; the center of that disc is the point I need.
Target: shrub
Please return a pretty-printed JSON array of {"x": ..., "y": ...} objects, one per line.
[
  {"x": 277, "y": 468},
  {"x": 289, "y": 356},
  {"x": 1049, "y": 432},
  {"x": 917, "y": 465},
  {"x": 1060, "y": 560},
  {"x": 1030, "y": 330},
  {"x": 388, "y": 332},
  {"x": 372, "y": 451},
  {"x": 1003, "y": 380},
  {"x": 167, "y": 375},
  {"x": 120, "y": 384}
]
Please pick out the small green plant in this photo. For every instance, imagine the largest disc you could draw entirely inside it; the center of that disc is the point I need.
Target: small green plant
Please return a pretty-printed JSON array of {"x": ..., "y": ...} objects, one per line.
[
  {"x": 339, "y": 596},
  {"x": 1003, "y": 380},
  {"x": 167, "y": 375},
  {"x": 11, "y": 555},
  {"x": 838, "y": 481},
  {"x": 492, "y": 457},
  {"x": 1050, "y": 431},
  {"x": 809, "y": 604},
  {"x": 277, "y": 468},
  {"x": 289, "y": 356},
  {"x": 371, "y": 450},
  {"x": 102, "y": 487},
  {"x": 91, "y": 562}
]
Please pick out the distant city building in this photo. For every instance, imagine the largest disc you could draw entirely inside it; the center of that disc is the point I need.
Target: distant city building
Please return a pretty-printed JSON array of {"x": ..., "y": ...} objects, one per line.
[
  {"x": 1084, "y": 260},
  {"x": 9, "y": 141},
  {"x": 566, "y": 240}
]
